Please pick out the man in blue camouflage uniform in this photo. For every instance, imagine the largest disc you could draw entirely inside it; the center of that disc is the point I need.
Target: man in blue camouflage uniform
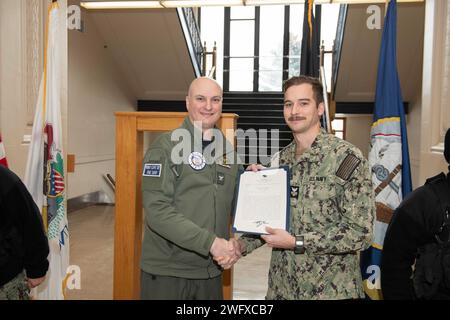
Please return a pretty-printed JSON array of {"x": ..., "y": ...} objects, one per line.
[{"x": 332, "y": 207}]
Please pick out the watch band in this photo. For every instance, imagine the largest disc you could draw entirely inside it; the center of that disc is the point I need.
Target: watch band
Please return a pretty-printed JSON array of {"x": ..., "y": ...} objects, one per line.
[{"x": 299, "y": 244}]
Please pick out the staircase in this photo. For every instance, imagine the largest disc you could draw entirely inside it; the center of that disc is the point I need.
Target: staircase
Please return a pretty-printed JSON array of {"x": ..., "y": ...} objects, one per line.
[
  {"x": 260, "y": 114},
  {"x": 263, "y": 113}
]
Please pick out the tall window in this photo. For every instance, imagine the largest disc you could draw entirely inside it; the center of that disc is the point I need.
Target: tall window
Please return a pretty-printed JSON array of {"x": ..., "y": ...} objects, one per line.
[
  {"x": 261, "y": 46},
  {"x": 295, "y": 38},
  {"x": 242, "y": 48},
  {"x": 328, "y": 25},
  {"x": 271, "y": 48}
]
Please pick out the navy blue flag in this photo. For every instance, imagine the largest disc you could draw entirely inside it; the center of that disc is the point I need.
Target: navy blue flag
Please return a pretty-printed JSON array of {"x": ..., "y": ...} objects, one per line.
[{"x": 389, "y": 155}]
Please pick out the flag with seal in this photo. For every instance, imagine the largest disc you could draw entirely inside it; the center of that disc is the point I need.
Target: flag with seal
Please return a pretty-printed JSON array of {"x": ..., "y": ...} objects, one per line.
[
  {"x": 44, "y": 176},
  {"x": 389, "y": 156}
]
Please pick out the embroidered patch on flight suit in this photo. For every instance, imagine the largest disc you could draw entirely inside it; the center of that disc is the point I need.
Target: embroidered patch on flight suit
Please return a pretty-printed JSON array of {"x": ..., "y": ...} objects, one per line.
[
  {"x": 152, "y": 170},
  {"x": 347, "y": 166},
  {"x": 294, "y": 192},
  {"x": 197, "y": 161},
  {"x": 220, "y": 178}
]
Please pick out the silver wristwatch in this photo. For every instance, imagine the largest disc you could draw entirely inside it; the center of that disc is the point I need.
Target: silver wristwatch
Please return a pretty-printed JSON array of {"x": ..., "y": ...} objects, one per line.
[{"x": 299, "y": 245}]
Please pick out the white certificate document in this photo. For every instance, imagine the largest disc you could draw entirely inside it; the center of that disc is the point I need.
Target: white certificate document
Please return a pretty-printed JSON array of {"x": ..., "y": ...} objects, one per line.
[{"x": 262, "y": 200}]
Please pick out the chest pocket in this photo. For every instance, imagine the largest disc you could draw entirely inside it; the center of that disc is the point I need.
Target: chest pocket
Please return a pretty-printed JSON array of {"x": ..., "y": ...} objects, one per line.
[
  {"x": 320, "y": 190},
  {"x": 320, "y": 204}
]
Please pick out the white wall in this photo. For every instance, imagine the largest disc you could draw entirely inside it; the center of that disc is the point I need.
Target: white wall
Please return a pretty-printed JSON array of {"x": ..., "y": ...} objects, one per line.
[
  {"x": 358, "y": 131},
  {"x": 413, "y": 119},
  {"x": 21, "y": 59},
  {"x": 13, "y": 112},
  {"x": 435, "y": 118},
  {"x": 96, "y": 91}
]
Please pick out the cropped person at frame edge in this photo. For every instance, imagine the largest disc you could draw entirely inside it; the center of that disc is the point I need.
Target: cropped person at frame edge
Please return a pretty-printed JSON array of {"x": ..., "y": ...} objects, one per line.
[
  {"x": 416, "y": 253},
  {"x": 23, "y": 243}
]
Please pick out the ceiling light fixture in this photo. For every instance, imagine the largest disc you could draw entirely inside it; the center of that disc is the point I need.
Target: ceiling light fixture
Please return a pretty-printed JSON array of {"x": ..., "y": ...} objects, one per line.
[
  {"x": 280, "y": 2},
  {"x": 369, "y": 1},
  {"x": 200, "y": 3},
  {"x": 205, "y": 3},
  {"x": 121, "y": 5}
]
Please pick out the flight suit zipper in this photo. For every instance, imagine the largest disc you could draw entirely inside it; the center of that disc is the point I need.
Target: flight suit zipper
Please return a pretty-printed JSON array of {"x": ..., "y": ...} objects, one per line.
[{"x": 214, "y": 182}]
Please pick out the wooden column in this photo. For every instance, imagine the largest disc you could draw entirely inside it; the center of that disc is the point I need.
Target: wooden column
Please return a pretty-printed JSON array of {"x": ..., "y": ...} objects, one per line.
[{"x": 128, "y": 214}]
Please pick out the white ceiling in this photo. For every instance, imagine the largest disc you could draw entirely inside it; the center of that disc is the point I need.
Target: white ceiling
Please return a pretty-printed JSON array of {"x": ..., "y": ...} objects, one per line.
[
  {"x": 359, "y": 57},
  {"x": 149, "y": 48}
]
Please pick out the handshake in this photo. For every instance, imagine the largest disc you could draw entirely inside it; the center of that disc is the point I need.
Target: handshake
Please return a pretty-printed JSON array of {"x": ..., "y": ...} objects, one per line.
[{"x": 226, "y": 253}]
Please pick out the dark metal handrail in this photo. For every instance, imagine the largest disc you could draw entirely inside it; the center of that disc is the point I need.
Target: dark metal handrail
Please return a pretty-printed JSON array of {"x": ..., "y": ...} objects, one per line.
[
  {"x": 110, "y": 180},
  {"x": 192, "y": 36},
  {"x": 213, "y": 54},
  {"x": 338, "y": 45}
]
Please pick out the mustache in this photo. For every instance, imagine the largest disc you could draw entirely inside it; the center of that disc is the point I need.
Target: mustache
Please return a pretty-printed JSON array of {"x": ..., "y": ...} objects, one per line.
[{"x": 296, "y": 118}]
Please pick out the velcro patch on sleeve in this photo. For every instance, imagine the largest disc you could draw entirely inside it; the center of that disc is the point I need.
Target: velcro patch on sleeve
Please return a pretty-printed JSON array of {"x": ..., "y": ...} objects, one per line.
[
  {"x": 350, "y": 163},
  {"x": 152, "y": 170}
]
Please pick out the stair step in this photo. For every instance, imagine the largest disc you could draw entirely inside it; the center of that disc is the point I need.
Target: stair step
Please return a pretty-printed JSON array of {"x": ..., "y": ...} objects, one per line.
[
  {"x": 260, "y": 125},
  {"x": 262, "y": 119},
  {"x": 282, "y": 138},
  {"x": 253, "y": 108},
  {"x": 252, "y": 111},
  {"x": 257, "y": 114},
  {"x": 252, "y": 94},
  {"x": 252, "y": 100},
  {"x": 253, "y": 103}
]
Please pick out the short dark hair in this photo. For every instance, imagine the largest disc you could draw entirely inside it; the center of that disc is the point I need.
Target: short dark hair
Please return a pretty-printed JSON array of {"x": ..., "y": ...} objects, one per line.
[{"x": 314, "y": 82}]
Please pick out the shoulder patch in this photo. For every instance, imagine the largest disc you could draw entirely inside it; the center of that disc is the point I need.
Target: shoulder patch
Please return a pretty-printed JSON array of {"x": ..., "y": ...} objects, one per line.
[
  {"x": 152, "y": 170},
  {"x": 347, "y": 166}
]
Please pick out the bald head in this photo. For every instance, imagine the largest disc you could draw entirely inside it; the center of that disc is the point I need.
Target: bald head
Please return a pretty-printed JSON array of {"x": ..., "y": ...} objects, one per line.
[
  {"x": 204, "y": 83},
  {"x": 204, "y": 102}
]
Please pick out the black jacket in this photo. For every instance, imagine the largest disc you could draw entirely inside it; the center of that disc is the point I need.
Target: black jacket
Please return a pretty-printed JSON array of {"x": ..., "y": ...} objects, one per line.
[
  {"x": 23, "y": 243},
  {"x": 414, "y": 224}
]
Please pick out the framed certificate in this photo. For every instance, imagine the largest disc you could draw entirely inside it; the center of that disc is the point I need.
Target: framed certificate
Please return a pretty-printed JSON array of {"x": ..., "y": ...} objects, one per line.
[{"x": 262, "y": 200}]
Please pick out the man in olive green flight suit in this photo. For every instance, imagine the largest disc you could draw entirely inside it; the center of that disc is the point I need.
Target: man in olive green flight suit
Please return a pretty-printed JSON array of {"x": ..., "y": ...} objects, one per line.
[
  {"x": 332, "y": 207},
  {"x": 188, "y": 183}
]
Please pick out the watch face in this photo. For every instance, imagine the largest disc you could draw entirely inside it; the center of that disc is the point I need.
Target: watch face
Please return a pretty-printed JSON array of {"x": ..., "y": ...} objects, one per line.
[{"x": 299, "y": 245}]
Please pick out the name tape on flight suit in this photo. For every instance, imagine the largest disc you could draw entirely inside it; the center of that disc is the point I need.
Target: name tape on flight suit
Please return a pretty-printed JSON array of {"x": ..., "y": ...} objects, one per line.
[{"x": 152, "y": 170}]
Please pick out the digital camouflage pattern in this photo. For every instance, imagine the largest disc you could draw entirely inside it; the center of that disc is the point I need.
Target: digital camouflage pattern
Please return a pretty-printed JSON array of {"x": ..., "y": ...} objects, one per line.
[
  {"x": 334, "y": 210},
  {"x": 16, "y": 289}
]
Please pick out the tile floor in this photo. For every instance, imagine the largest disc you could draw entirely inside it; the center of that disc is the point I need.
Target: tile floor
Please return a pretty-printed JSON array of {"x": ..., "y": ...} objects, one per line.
[{"x": 91, "y": 248}]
